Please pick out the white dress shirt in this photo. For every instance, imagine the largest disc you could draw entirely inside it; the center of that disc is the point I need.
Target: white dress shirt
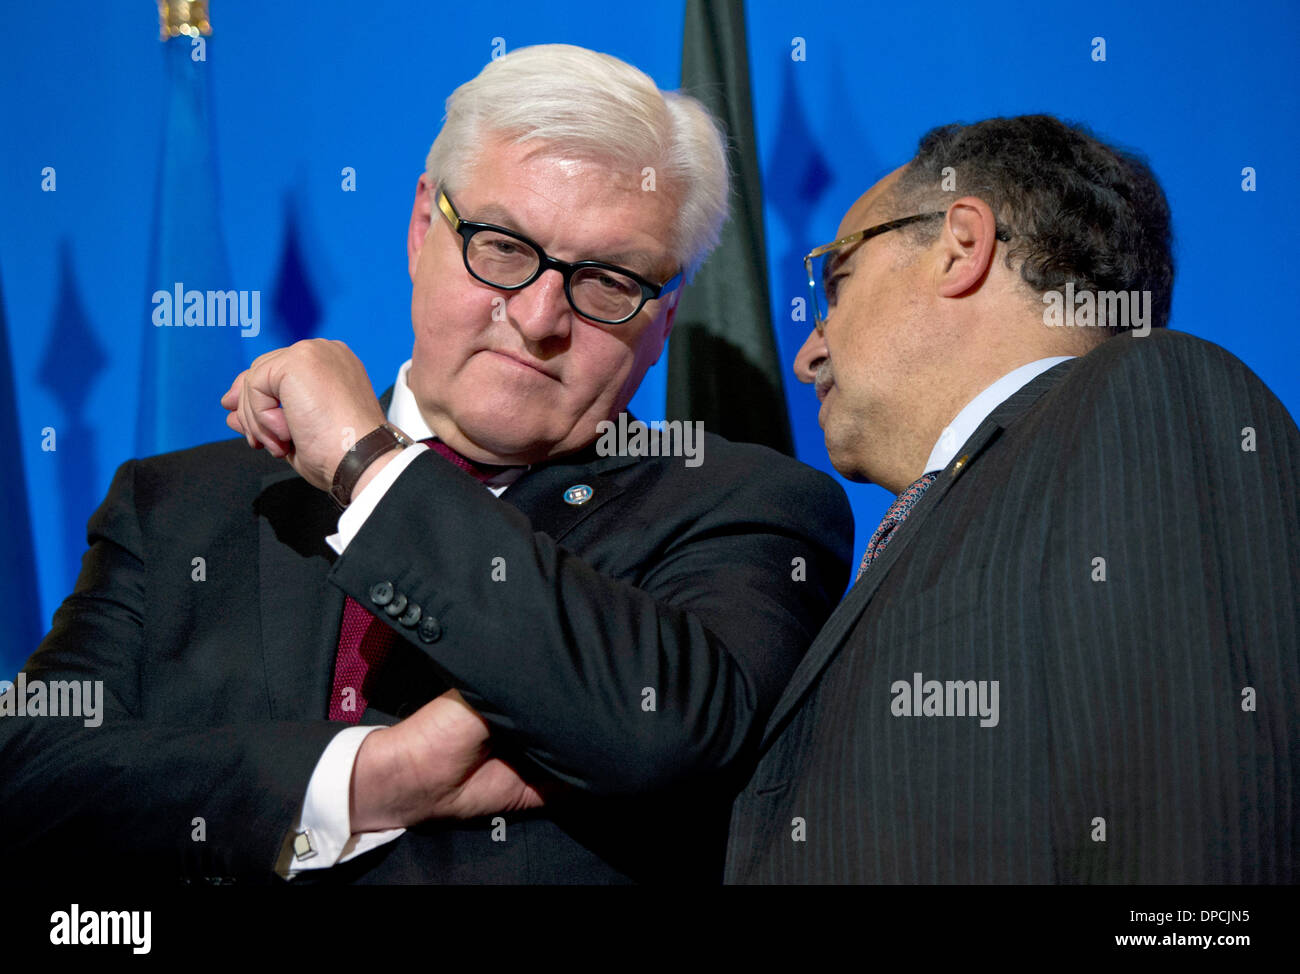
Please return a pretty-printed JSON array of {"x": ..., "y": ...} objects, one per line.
[
  {"x": 977, "y": 410},
  {"x": 324, "y": 822}
]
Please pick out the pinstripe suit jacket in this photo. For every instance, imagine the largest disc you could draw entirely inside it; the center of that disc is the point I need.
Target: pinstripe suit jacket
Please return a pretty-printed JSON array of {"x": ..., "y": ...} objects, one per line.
[{"x": 1121, "y": 554}]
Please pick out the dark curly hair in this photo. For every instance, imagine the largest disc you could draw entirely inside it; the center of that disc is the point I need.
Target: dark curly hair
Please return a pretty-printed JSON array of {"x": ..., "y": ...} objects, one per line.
[{"x": 1076, "y": 209}]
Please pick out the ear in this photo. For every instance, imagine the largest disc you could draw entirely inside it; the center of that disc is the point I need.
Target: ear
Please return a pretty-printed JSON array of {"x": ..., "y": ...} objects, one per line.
[
  {"x": 968, "y": 241},
  {"x": 668, "y": 323},
  {"x": 672, "y": 313},
  {"x": 421, "y": 215}
]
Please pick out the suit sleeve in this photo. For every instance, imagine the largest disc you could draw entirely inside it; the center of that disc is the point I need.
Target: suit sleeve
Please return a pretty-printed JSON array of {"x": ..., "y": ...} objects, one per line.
[
  {"x": 616, "y": 682},
  {"x": 1173, "y": 586},
  {"x": 132, "y": 793}
]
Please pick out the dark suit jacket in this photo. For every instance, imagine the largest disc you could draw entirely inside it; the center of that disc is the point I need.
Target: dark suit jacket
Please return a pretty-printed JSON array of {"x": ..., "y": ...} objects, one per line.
[
  {"x": 687, "y": 581},
  {"x": 1127, "y": 749}
]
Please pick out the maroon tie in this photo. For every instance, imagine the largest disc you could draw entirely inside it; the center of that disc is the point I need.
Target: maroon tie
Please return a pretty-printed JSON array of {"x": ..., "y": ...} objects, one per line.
[{"x": 364, "y": 641}]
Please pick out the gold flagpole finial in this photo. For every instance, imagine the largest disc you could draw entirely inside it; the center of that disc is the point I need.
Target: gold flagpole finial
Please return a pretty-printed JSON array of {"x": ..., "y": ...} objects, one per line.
[{"x": 188, "y": 17}]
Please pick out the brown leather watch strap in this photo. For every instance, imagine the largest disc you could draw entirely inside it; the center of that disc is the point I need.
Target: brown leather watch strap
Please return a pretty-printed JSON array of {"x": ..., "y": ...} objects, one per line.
[{"x": 364, "y": 452}]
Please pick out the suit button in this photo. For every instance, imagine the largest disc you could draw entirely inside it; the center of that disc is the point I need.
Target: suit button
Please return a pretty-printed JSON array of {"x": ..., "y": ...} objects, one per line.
[
  {"x": 381, "y": 593},
  {"x": 429, "y": 631},
  {"x": 411, "y": 616},
  {"x": 396, "y": 607}
]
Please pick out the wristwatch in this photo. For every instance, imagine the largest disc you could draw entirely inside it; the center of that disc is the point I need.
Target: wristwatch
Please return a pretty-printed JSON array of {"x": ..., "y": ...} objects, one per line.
[{"x": 364, "y": 452}]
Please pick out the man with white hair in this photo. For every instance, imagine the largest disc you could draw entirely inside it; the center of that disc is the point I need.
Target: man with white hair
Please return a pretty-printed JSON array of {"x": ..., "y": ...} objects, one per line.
[{"x": 557, "y": 656}]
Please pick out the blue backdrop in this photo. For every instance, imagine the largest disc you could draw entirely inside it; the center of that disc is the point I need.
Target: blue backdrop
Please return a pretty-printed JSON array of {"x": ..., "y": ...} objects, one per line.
[{"x": 1202, "y": 90}]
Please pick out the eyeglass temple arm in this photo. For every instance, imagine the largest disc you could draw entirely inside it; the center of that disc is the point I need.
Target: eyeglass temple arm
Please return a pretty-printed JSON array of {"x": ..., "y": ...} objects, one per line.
[
  {"x": 448, "y": 210},
  {"x": 672, "y": 284}
]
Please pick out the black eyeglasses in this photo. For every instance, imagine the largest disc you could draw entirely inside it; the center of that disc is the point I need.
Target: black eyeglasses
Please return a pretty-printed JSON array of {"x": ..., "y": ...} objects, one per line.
[
  {"x": 503, "y": 258},
  {"x": 822, "y": 267}
]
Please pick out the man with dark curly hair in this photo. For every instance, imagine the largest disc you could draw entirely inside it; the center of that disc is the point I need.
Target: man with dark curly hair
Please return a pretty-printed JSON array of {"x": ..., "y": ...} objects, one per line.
[{"x": 1070, "y": 655}]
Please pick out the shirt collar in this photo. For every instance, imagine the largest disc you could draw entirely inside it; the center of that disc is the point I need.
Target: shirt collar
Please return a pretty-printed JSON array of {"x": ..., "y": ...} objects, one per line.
[
  {"x": 977, "y": 410},
  {"x": 404, "y": 411}
]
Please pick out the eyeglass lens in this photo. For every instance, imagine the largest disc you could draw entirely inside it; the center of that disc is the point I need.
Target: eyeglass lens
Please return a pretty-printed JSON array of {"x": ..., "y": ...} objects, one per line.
[{"x": 596, "y": 292}]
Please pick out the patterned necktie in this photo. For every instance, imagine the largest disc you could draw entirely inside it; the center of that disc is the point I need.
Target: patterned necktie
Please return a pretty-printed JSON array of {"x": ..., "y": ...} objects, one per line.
[
  {"x": 364, "y": 641},
  {"x": 895, "y": 516},
  {"x": 482, "y": 472}
]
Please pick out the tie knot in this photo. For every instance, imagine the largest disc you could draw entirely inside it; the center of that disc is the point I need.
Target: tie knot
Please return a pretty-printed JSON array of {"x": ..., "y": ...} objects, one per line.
[
  {"x": 905, "y": 501},
  {"x": 895, "y": 516}
]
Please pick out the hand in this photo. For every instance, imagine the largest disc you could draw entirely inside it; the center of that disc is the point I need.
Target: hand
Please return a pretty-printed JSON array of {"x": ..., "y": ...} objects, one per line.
[
  {"x": 436, "y": 763},
  {"x": 307, "y": 403}
]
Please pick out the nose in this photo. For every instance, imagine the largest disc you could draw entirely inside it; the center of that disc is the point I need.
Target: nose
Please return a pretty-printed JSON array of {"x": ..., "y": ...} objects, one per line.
[
  {"x": 540, "y": 310},
  {"x": 810, "y": 357}
]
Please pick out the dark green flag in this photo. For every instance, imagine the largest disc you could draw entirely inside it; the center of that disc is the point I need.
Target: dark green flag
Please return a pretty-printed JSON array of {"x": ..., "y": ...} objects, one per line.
[{"x": 723, "y": 365}]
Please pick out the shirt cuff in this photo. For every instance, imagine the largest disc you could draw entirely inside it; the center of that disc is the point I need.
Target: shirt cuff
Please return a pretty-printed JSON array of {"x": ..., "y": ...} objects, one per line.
[
  {"x": 321, "y": 836},
  {"x": 351, "y": 520}
]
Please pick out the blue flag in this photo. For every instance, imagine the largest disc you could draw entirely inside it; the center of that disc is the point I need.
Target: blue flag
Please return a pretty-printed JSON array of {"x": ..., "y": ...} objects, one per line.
[{"x": 195, "y": 322}]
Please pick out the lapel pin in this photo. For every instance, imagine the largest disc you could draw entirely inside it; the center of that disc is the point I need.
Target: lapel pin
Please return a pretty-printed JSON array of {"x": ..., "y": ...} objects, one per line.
[
  {"x": 578, "y": 494},
  {"x": 960, "y": 465}
]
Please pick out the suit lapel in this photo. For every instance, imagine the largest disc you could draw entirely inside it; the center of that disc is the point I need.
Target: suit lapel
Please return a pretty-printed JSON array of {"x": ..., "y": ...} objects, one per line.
[
  {"x": 543, "y": 493},
  {"x": 300, "y": 610},
  {"x": 834, "y": 634},
  {"x": 540, "y": 493}
]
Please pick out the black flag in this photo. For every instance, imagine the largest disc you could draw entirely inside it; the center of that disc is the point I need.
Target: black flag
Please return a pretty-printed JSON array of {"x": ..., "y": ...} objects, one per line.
[{"x": 723, "y": 365}]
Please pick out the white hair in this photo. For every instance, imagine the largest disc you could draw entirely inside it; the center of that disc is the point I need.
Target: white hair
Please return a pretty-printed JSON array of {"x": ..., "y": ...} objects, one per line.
[{"x": 591, "y": 105}]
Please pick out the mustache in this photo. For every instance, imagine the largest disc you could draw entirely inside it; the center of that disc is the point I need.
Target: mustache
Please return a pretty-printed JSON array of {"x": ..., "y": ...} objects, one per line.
[{"x": 824, "y": 376}]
